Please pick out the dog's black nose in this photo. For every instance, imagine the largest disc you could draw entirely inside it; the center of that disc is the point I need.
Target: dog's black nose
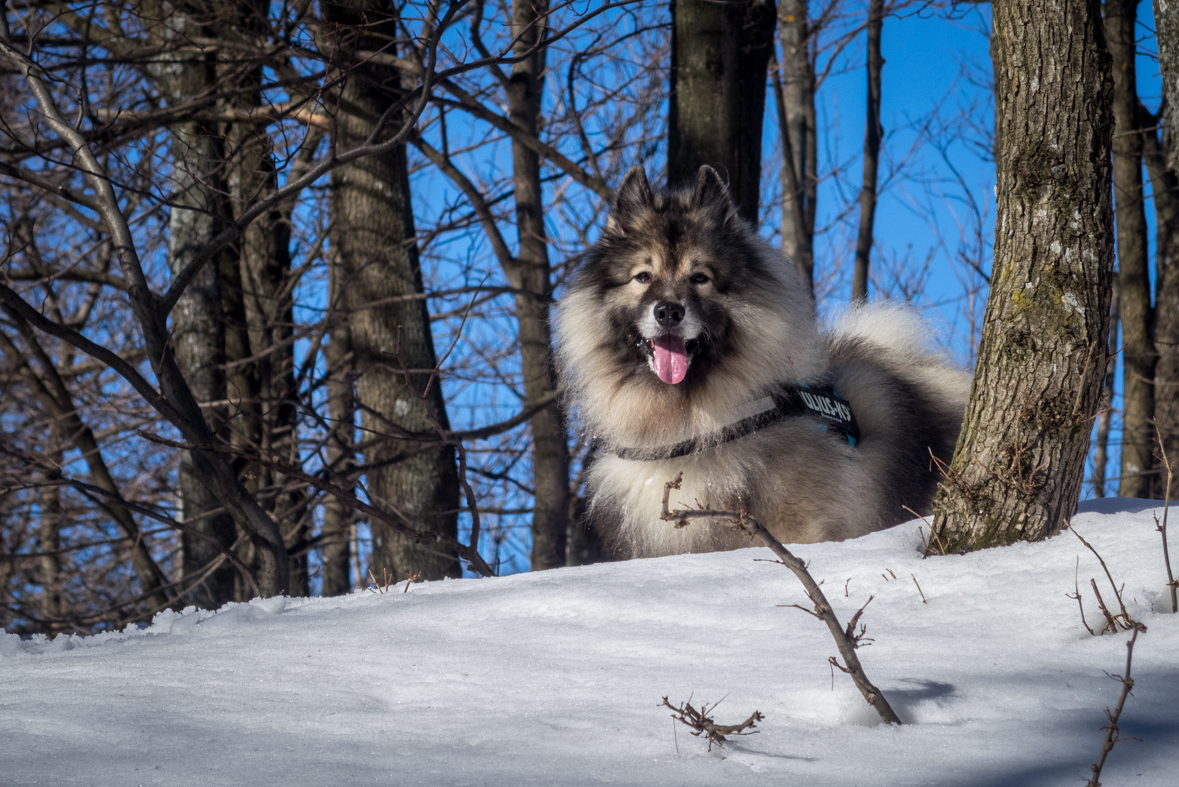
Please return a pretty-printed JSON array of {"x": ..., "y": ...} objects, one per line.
[{"x": 668, "y": 314}]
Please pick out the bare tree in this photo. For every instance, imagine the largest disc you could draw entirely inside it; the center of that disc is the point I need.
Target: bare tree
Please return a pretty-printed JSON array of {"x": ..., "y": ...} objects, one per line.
[
  {"x": 529, "y": 272},
  {"x": 373, "y": 233}
]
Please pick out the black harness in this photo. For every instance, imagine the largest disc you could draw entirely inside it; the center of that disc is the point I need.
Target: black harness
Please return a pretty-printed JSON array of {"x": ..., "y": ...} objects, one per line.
[{"x": 785, "y": 401}]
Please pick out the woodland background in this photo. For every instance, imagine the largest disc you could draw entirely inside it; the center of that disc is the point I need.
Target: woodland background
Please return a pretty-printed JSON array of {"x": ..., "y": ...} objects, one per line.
[{"x": 276, "y": 276}]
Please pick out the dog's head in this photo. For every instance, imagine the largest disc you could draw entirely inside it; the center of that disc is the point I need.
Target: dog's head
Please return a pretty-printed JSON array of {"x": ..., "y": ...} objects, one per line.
[{"x": 678, "y": 300}]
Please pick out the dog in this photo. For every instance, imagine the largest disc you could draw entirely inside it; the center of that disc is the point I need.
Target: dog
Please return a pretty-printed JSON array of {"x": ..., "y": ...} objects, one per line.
[{"x": 689, "y": 346}]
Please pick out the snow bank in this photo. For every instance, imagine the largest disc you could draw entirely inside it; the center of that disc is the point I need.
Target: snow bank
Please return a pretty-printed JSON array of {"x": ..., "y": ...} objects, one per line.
[{"x": 556, "y": 677}]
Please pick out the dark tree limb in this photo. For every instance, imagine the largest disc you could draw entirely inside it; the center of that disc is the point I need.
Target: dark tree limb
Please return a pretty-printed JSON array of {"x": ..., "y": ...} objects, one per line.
[{"x": 872, "y": 134}]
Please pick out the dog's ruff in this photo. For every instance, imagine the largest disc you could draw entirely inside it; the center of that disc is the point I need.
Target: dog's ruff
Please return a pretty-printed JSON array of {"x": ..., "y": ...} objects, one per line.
[{"x": 680, "y": 318}]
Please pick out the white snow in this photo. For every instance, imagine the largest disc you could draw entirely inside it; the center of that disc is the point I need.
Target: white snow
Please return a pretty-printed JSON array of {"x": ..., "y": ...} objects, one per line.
[{"x": 556, "y": 677}]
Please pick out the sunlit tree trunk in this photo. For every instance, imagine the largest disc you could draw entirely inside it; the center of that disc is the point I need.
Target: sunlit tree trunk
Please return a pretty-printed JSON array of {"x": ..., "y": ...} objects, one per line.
[
  {"x": 341, "y": 451},
  {"x": 530, "y": 273},
  {"x": 198, "y": 330},
  {"x": 372, "y": 231},
  {"x": 795, "y": 97},
  {"x": 263, "y": 262},
  {"x": 1017, "y": 471}
]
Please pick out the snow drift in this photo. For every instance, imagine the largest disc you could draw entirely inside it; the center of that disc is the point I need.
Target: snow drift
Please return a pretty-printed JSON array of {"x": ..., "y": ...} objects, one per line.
[{"x": 556, "y": 677}]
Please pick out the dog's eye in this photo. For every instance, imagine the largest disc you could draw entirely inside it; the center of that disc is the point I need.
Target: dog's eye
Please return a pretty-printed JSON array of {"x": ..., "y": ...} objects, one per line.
[
  {"x": 643, "y": 277},
  {"x": 699, "y": 278}
]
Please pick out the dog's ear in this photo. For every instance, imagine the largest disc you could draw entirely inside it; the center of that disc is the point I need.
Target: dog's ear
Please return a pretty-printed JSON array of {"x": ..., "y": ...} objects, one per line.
[
  {"x": 712, "y": 195},
  {"x": 633, "y": 195}
]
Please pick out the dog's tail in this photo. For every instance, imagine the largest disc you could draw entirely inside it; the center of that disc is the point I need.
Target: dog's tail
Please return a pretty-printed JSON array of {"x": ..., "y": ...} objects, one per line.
[{"x": 904, "y": 337}]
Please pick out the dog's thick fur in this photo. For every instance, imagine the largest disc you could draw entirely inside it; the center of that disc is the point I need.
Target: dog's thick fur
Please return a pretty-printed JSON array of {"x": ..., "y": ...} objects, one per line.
[{"x": 745, "y": 322}]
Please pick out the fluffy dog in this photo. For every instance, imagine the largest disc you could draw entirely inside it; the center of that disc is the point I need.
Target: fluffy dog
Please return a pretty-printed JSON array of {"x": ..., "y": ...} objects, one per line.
[{"x": 688, "y": 345}]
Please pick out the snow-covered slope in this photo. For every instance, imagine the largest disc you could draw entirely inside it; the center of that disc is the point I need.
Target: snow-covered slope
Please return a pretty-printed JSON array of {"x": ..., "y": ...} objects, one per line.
[{"x": 556, "y": 677}]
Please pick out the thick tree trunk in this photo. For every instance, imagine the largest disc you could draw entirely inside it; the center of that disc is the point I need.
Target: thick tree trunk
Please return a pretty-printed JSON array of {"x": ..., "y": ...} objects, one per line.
[
  {"x": 719, "y": 54},
  {"x": 872, "y": 135},
  {"x": 796, "y": 111},
  {"x": 530, "y": 272},
  {"x": 372, "y": 230},
  {"x": 198, "y": 337},
  {"x": 1137, "y": 317},
  {"x": 1017, "y": 471},
  {"x": 1165, "y": 188}
]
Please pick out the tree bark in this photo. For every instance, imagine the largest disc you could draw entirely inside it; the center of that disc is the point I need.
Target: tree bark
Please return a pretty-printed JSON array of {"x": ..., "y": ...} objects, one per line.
[
  {"x": 372, "y": 230},
  {"x": 49, "y": 538},
  {"x": 1105, "y": 413},
  {"x": 260, "y": 265},
  {"x": 872, "y": 134},
  {"x": 198, "y": 336},
  {"x": 1164, "y": 186},
  {"x": 1017, "y": 471},
  {"x": 719, "y": 54},
  {"x": 795, "y": 93},
  {"x": 341, "y": 451},
  {"x": 1166, "y": 25},
  {"x": 529, "y": 272},
  {"x": 1137, "y": 317}
]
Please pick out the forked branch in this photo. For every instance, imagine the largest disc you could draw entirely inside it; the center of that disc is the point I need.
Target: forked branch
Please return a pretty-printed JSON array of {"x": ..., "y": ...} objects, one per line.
[{"x": 845, "y": 639}]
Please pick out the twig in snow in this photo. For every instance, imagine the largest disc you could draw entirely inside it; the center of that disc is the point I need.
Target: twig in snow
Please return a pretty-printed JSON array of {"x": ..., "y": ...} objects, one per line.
[
  {"x": 412, "y": 578},
  {"x": 925, "y": 545},
  {"x": 702, "y": 724},
  {"x": 377, "y": 586},
  {"x": 918, "y": 584},
  {"x": 1077, "y": 596},
  {"x": 845, "y": 640},
  {"x": 1172, "y": 585},
  {"x": 1111, "y": 729},
  {"x": 1113, "y": 622}
]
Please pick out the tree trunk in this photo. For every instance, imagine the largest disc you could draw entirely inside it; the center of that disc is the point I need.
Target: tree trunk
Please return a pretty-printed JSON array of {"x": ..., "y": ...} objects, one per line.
[
  {"x": 872, "y": 134},
  {"x": 1166, "y": 25},
  {"x": 1138, "y": 355},
  {"x": 372, "y": 230},
  {"x": 49, "y": 539},
  {"x": 263, "y": 262},
  {"x": 341, "y": 451},
  {"x": 198, "y": 332},
  {"x": 796, "y": 100},
  {"x": 1105, "y": 413},
  {"x": 719, "y": 53},
  {"x": 1165, "y": 188},
  {"x": 530, "y": 272},
  {"x": 1017, "y": 471}
]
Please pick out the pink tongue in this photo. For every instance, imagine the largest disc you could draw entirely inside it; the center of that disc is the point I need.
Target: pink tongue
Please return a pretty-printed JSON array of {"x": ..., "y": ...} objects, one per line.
[{"x": 671, "y": 359}]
